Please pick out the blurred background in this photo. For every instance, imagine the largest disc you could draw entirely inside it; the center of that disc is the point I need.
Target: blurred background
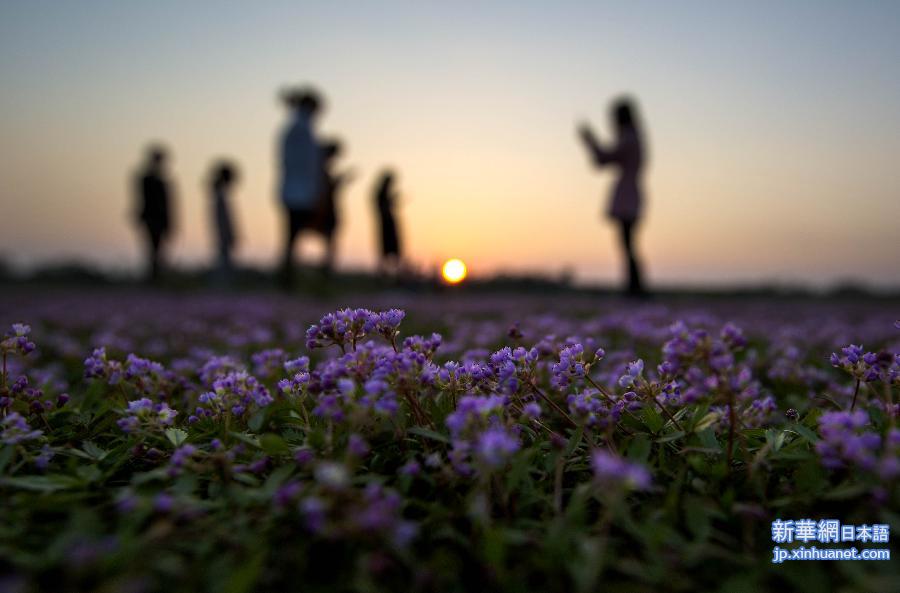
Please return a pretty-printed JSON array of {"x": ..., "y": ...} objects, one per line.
[{"x": 773, "y": 131}]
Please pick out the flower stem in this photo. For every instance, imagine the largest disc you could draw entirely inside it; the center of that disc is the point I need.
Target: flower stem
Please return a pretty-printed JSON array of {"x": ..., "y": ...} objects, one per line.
[{"x": 855, "y": 393}]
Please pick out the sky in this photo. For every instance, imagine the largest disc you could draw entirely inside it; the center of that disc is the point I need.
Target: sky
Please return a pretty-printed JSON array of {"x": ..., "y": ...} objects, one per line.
[{"x": 773, "y": 130}]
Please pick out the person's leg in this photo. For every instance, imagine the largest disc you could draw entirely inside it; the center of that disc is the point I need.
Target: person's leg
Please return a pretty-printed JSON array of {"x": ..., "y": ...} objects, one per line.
[
  {"x": 634, "y": 276},
  {"x": 154, "y": 244},
  {"x": 223, "y": 272},
  {"x": 293, "y": 229}
]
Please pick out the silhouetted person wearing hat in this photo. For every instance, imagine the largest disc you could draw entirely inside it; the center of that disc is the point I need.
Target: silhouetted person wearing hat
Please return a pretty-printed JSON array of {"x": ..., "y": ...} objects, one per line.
[
  {"x": 627, "y": 196},
  {"x": 385, "y": 201},
  {"x": 301, "y": 172},
  {"x": 332, "y": 183},
  {"x": 154, "y": 208},
  {"x": 222, "y": 180}
]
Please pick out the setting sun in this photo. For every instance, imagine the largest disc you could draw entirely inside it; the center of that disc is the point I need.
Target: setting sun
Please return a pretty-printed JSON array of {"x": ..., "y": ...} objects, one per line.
[{"x": 454, "y": 271}]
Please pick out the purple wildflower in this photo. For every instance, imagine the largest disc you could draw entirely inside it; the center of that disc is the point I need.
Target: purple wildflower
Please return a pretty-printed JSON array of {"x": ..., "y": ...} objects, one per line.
[
  {"x": 612, "y": 471},
  {"x": 15, "y": 430}
]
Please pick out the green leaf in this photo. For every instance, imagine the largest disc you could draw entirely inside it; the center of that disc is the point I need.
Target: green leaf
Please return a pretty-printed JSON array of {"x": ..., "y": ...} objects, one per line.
[
  {"x": 775, "y": 438},
  {"x": 246, "y": 438},
  {"x": 708, "y": 438},
  {"x": 639, "y": 449},
  {"x": 574, "y": 441},
  {"x": 176, "y": 436},
  {"x": 93, "y": 451},
  {"x": 256, "y": 420},
  {"x": 428, "y": 434},
  {"x": 845, "y": 491},
  {"x": 707, "y": 421},
  {"x": 50, "y": 483},
  {"x": 804, "y": 432},
  {"x": 652, "y": 418},
  {"x": 671, "y": 437},
  {"x": 6, "y": 455},
  {"x": 89, "y": 473},
  {"x": 273, "y": 444}
]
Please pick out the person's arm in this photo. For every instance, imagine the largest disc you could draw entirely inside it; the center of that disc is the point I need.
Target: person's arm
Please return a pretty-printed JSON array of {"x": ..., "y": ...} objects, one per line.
[{"x": 599, "y": 155}]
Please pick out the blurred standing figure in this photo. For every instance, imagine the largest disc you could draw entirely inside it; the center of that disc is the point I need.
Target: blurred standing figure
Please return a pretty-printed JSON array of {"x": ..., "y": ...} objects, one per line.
[
  {"x": 385, "y": 200},
  {"x": 154, "y": 208},
  {"x": 301, "y": 172},
  {"x": 328, "y": 218},
  {"x": 625, "y": 202},
  {"x": 222, "y": 180}
]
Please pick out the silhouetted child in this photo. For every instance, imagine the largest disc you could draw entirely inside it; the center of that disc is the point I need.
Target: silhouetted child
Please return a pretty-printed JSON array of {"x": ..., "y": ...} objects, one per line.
[
  {"x": 625, "y": 203},
  {"x": 385, "y": 200},
  {"x": 328, "y": 218},
  {"x": 154, "y": 208},
  {"x": 222, "y": 180}
]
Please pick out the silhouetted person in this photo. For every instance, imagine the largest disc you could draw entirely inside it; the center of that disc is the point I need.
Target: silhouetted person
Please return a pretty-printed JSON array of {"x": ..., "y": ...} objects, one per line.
[
  {"x": 301, "y": 172},
  {"x": 332, "y": 183},
  {"x": 154, "y": 208},
  {"x": 625, "y": 203},
  {"x": 385, "y": 200},
  {"x": 222, "y": 180}
]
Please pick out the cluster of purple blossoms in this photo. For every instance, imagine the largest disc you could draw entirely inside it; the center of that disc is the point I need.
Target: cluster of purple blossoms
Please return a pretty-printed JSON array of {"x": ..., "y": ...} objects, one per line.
[
  {"x": 847, "y": 440},
  {"x": 612, "y": 471},
  {"x": 357, "y": 446},
  {"x": 512, "y": 367},
  {"x": 180, "y": 458},
  {"x": 16, "y": 340},
  {"x": 340, "y": 397},
  {"x": 145, "y": 414},
  {"x": 634, "y": 371},
  {"x": 234, "y": 394},
  {"x": 217, "y": 367},
  {"x": 590, "y": 408},
  {"x": 299, "y": 370},
  {"x": 423, "y": 345},
  {"x": 146, "y": 377},
  {"x": 371, "y": 378},
  {"x": 698, "y": 366},
  {"x": 149, "y": 378},
  {"x": 686, "y": 345},
  {"x": 868, "y": 367},
  {"x": 373, "y": 512},
  {"x": 294, "y": 386},
  {"x": 268, "y": 363},
  {"x": 297, "y": 365},
  {"x": 347, "y": 327},
  {"x": 34, "y": 398},
  {"x": 42, "y": 461},
  {"x": 573, "y": 365},
  {"x": 474, "y": 412},
  {"x": 480, "y": 434},
  {"x": 457, "y": 378},
  {"x": 14, "y": 429},
  {"x": 495, "y": 446},
  {"x": 758, "y": 412},
  {"x": 98, "y": 366}
]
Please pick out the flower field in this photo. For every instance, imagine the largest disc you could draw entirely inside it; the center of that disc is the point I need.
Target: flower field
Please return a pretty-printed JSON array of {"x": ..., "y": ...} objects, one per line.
[{"x": 253, "y": 442}]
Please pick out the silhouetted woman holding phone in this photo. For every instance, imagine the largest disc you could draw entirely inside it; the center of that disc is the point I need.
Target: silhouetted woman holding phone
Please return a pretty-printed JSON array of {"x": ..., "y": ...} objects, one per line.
[{"x": 627, "y": 196}]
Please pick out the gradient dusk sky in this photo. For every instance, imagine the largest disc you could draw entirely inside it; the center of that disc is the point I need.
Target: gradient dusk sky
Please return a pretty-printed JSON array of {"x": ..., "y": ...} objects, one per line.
[{"x": 773, "y": 129}]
